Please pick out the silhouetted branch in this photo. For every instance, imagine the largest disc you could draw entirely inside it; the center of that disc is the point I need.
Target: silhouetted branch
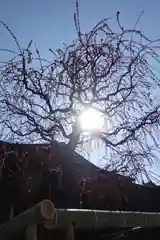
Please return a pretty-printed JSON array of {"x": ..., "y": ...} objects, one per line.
[{"x": 112, "y": 72}]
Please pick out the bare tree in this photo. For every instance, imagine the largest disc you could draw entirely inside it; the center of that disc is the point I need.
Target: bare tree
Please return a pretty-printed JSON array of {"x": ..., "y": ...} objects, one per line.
[{"x": 112, "y": 72}]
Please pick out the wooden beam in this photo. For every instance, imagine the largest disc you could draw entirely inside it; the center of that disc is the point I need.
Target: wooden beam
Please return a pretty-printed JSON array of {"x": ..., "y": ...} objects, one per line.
[
  {"x": 38, "y": 214},
  {"x": 94, "y": 219}
]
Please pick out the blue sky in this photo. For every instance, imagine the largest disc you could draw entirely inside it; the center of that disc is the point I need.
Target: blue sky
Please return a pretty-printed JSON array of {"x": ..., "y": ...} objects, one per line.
[{"x": 50, "y": 23}]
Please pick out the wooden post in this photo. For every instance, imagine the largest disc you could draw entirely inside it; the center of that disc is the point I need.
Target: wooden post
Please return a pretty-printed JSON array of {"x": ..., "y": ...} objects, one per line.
[
  {"x": 31, "y": 232},
  {"x": 70, "y": 231}
]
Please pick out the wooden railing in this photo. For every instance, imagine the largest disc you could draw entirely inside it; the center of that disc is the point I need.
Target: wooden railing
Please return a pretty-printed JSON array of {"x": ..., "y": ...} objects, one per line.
[{"x": 73, "y": 219}]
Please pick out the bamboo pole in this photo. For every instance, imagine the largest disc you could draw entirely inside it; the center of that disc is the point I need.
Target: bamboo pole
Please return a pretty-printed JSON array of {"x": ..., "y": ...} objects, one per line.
[
  {"x": 38, "y": 214},
  {"x": 91, "y": 219}
]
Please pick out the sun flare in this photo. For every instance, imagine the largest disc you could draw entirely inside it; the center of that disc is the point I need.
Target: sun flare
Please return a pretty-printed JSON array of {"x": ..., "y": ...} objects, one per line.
[{"x": 91, "y": 120}]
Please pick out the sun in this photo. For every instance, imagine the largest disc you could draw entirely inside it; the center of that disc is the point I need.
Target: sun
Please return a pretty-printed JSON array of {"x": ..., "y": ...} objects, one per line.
[{"x": 91, "y": 120}]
